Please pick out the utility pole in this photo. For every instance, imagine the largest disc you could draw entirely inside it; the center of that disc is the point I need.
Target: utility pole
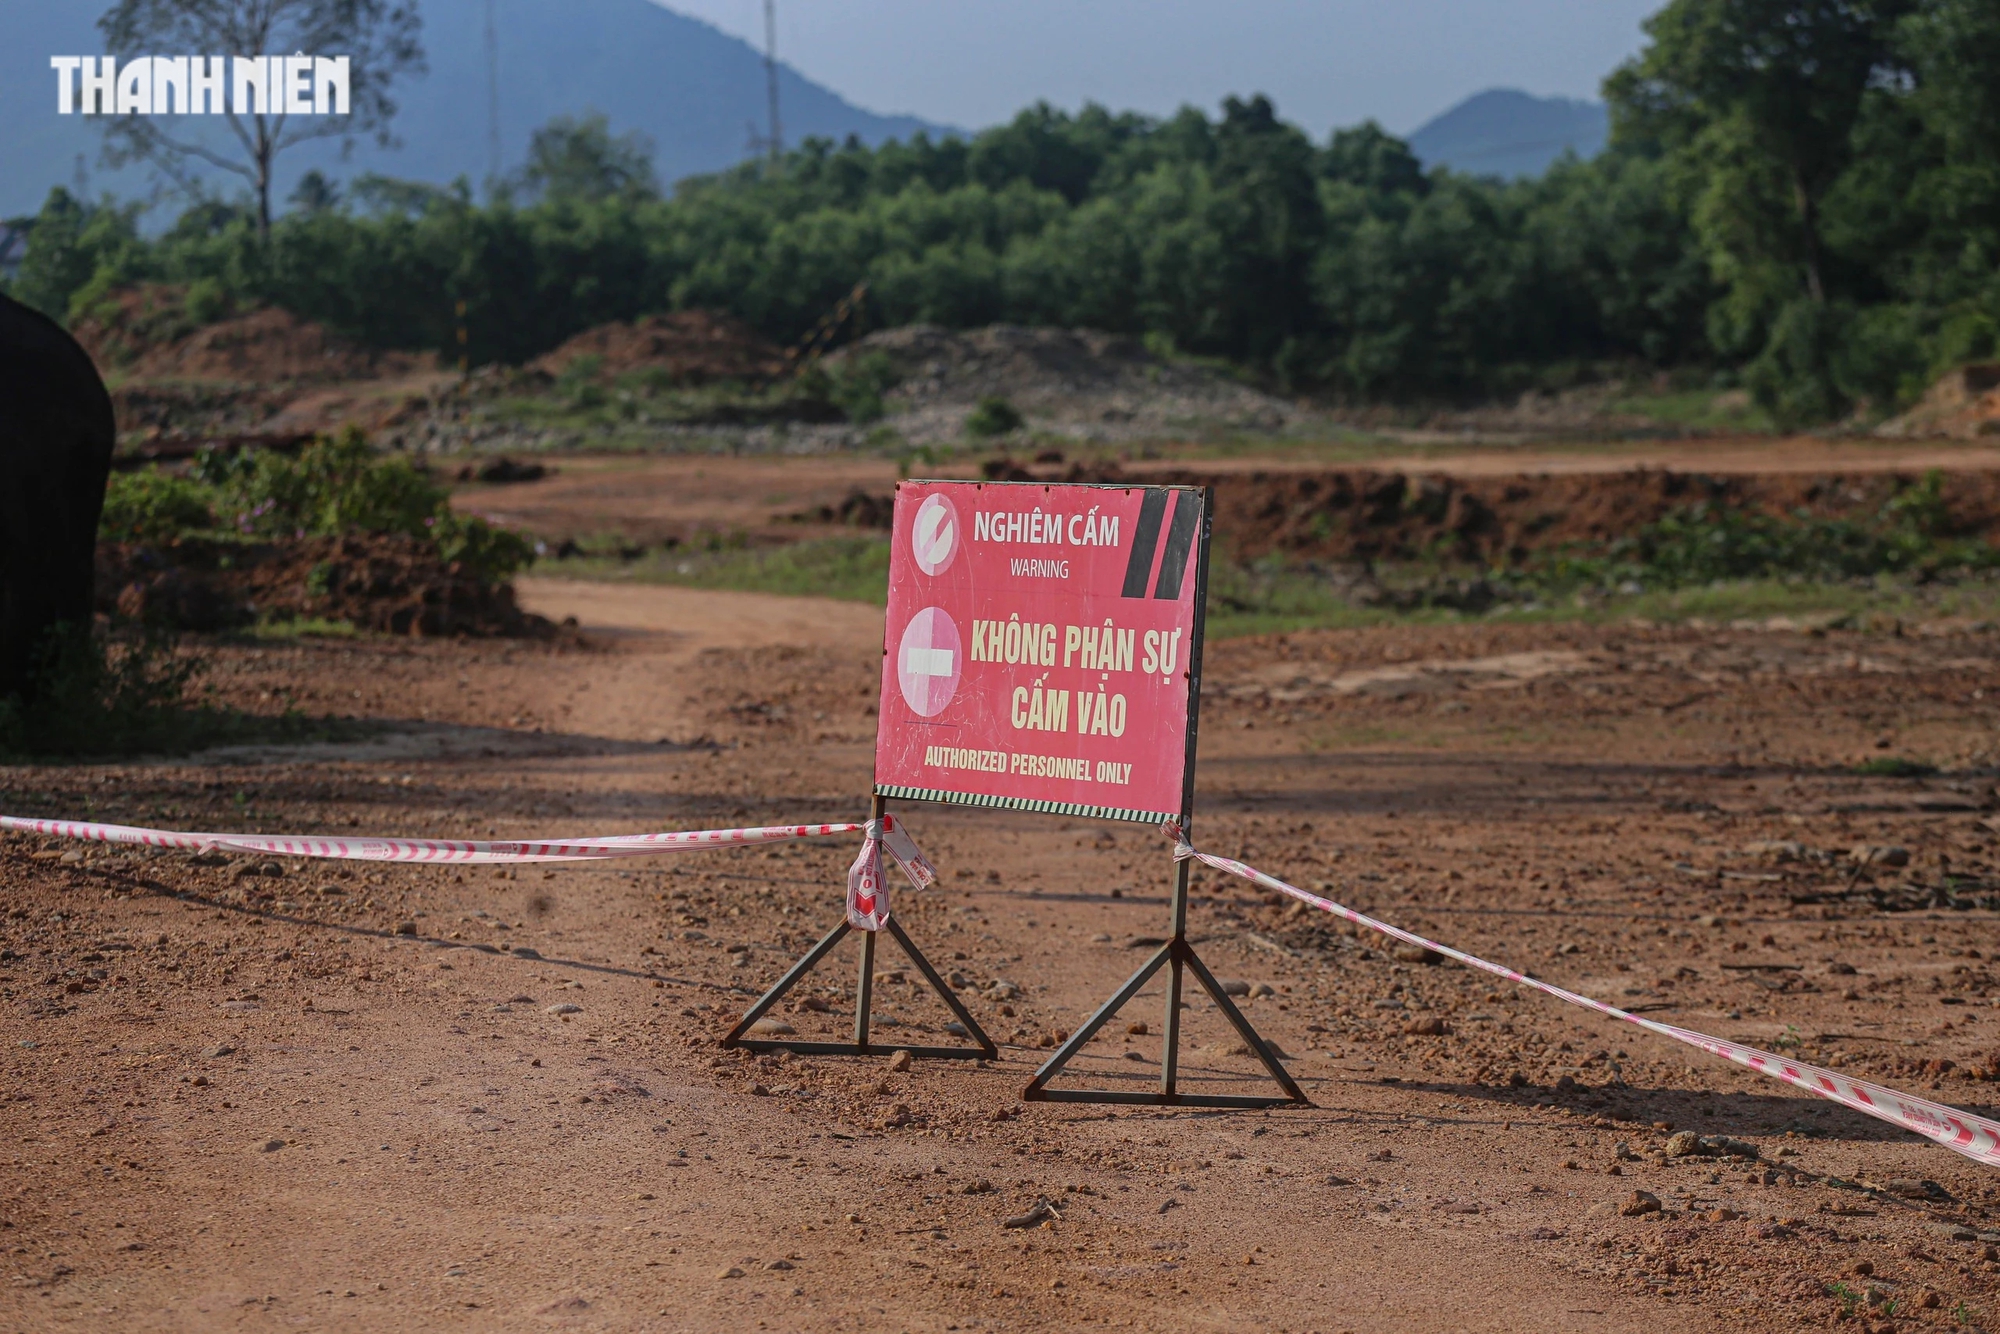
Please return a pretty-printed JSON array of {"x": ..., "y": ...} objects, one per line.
[
  {"x": 492, "y": 100},
  {"x": 776, "y": 141}
]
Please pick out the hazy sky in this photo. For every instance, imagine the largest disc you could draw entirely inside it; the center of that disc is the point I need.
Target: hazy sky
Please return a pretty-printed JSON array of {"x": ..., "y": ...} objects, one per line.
[{"x": 971, "y": 63}]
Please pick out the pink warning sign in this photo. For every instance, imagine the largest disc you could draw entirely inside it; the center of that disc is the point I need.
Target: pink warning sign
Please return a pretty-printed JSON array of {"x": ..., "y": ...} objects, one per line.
[{"x": 1040, "y": 646}]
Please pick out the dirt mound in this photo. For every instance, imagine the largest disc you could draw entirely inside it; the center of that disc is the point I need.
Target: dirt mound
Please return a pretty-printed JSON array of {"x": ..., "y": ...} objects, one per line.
[
  {"x": 1088, "y": 382},
  {"x": 272, "y": 345},
  {"x": 1368, "y": 515},
  {"x": 385, "y": 583},
  {"x": 1965, "y": 404},
  {"x": 127, "y": 323},
  {"x": 689, "y": 346}
]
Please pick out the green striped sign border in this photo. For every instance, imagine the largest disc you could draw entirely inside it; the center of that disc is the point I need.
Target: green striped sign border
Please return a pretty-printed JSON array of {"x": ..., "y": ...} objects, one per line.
[{"x": 1023, "y": 804}]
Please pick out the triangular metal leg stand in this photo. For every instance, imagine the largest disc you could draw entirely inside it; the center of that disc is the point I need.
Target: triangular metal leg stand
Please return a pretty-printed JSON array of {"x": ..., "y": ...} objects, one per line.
[
  {"x": 1176, "y": 955},
  {"x": 863, "y": 1003}
]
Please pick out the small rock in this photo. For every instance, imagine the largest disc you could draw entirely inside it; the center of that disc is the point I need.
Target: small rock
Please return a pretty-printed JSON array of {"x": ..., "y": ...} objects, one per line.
[
  {"x": 1261, "y": 990},
  {"x": 759, "y": 1091},
  {"x": 770, "y": 1027},
  {"x": 406, "y": 928},
  {"x": 1416, "y": 954},
  {"x": 1685, "y": 1144},
  {"x": 1432, "y": 1027},
  {"x": 1235, "y": 988},
  {"x": 561, "y": 1306},
  {"x": 1723, "y": 1215},
  {"x": 1640, "y": 1202},
  {"x": 980, "y": 1187},
  {"x": 1954, "y": 1231},
  {"x": 1137, "y": 1028},
  {"x": 899, "y": 1062},
  {"x": 732, "y": 1272},
  {"x": 563, "y": 1007},
  {"x": 224, "y": 1050},
  {"x": 898, "y": 1117},
  {"x": 780, "y": 1264},
  {"x": 271, "y": 1146},
  {"x": 1888, "y": 856},
  {"x": 523, "y": 952}
]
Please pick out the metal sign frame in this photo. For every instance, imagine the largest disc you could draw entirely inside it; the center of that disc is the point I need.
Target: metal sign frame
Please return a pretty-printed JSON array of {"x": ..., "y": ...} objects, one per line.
[
  {"x": 864, "y": 1000},
  {"x": 1177, "y": 955}
]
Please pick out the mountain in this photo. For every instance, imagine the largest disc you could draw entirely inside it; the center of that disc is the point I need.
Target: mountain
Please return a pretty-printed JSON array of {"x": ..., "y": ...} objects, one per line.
[
  {"x": 1502, "y": 132},
  {"x": 697, "y": 92}
]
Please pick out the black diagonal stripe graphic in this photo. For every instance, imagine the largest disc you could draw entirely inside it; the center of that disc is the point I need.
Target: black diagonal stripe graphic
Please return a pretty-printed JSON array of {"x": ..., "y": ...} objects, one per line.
[
  {"x": 1144, "y": 542},
  {"x": 1180, "y": 540}
]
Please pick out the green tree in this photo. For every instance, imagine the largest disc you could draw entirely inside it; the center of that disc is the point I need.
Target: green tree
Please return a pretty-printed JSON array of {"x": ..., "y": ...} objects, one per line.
[
  {"x": 576, "y": 158},
  {"x": 1759, "y": 99},
  {"x": 79, "y": 250}
]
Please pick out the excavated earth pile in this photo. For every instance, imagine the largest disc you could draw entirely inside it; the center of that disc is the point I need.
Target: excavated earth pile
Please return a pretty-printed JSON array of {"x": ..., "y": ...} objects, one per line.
[
  {"x": 380, "y": 582},
  {"x": 1361, "y": 514}
]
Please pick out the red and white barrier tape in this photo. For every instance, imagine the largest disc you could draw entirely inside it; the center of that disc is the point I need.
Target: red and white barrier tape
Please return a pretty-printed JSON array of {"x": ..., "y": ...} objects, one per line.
[
  {"x": 1974, "y": 1136},
  {"x": 867, "y": 892},
  {"x": 889, "y": 833}
]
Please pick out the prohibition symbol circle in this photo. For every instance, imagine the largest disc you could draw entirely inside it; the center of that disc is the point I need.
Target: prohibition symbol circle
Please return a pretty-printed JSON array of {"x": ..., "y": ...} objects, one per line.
[
  {"x": 934, "y": 534},
  {"x": 929, "y": 661}
]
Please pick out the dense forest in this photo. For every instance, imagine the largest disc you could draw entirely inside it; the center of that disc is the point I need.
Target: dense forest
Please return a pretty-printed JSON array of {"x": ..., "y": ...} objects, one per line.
[{"x": 1800, "y": 196}]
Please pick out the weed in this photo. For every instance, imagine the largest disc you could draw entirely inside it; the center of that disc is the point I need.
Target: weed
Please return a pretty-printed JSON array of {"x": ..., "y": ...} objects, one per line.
[
  {"x": 1894, "y": 767},
  {"x": 1848, "y": 1298},
  {"x": 97, "y": 695},
  {"x": 1963, "y": 1314}
]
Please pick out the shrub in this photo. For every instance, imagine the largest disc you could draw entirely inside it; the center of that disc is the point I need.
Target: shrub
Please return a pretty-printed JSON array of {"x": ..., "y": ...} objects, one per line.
[
  {"x": 152, "y": 506},
  {"x": 857, "y": 387},
  {"x": 993, "y": 416},
  {"x": 331, "y": 487}
]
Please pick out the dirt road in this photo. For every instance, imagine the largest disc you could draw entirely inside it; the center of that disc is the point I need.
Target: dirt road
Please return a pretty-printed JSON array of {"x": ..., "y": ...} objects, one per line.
[{"x": 340, "y": 1098}]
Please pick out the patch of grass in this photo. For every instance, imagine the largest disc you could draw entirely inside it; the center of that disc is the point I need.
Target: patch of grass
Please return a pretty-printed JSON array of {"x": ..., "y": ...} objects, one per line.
[
  {"x": 303, "y": 627},
  {"x": 1275, "y": 597},
  {"x": 1894, "y": 766},
  {"x": 851, "y": 569},
  {"x": 1705, "y": 543},
  {"x": 1696, "y": 408}
]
